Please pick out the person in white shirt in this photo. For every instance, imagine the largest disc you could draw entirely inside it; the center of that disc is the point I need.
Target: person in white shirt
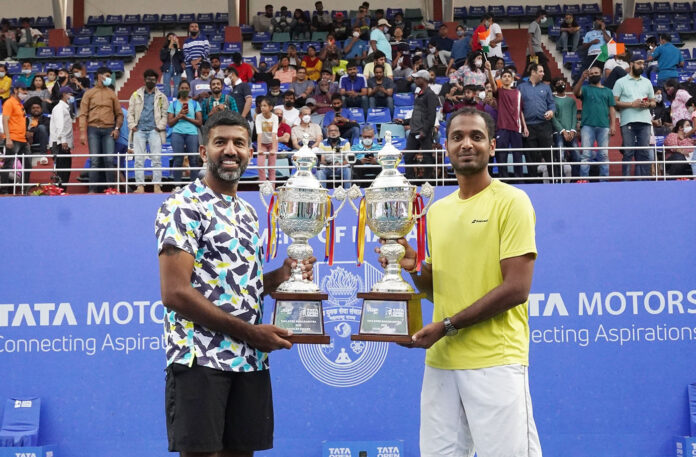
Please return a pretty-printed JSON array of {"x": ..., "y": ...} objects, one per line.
[
  {"x": 306, "y": 125},
  {"x": 61, "y": 135},
  {"x": 267, "y": 140},
  {"x": 496, "y": 40},
  {"x": 290, "y": 113}
]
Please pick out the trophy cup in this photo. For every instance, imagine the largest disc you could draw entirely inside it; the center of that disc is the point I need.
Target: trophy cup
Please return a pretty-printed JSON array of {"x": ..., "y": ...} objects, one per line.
[
  {"x": 391, "y": 207},
  {"x": 301, "y": 208}
]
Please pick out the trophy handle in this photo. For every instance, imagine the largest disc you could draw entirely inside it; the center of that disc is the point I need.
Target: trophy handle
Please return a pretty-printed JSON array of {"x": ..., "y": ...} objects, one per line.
[
  {"x": 428, "y": 192},
  {"x": 342, "y": 195},
  {"x": 265, "y": 190},
  {"x": 354, "y": 193}
]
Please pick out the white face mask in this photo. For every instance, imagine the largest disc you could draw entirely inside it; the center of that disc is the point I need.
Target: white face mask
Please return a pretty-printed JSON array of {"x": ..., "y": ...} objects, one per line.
[
  {"x": 26, "y": 71},
  {"x": 687, "y": 130},
  {"x": 478, "y": 62},
  {"x": 367, "y": 142},
  {"x": 2, "y": 74},
  {"x": 432, "y": 50},
  {"x": 658, "y": 98},
  {"x": 77, "y": 74},
  {"x": 306, "y": 119},
  {"x": 71, "y": 99},
  {"x": 356, "y": 34},
  {"x": 482, "y": 95},
  {"x": 227, "y": 81}
]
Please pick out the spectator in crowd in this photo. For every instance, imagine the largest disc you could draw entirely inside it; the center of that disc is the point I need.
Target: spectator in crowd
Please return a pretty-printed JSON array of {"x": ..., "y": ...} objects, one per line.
[
  {"x": 381, "y": 90},
  {"x": 379, "y": 41},
  {"x": 61, "y": 134},
  {"x": 293, "y": 58},
  {"x": 302, "y": 87},
  {"x": 321, "y": 19},
  {"x": 403, "y": 82},
  {"x": 330, "y": 54},
  {"x": 339, "y": 27},
  {"x": 570, "y": 35},
  {"x": 241, "y": 93},
  {"x": 355, "y": 47},
  {"x": 399, "y": 23},
  {"x": 593, "y": 42},
  {"x": 173, "y": 64},
  {"x": 51, "y": 76},
  {"x": 495, "y": 40},
  {"x": 668, "y": 58},
  {"x": 678, "y": 98},
  {"x": 362, "y": 20},
  {"x": 26, "y": 35},
  {"x": 378, "y": 58},
  {"x": 217, "y": 101},
  {"x": 634, "y": 98},
  {"x": 266, "y": 140},
  {"x": 306, "y": 126},
  {"x": 79, "y": 82},
  {"x": 322, "y": 97},
  {"x": 147, "y": 120},
  {"x": 472, "y": 73},
  {"x": 661, "y": 119},
  {"x": 312, "y": 64},
  {"x": 420, "y": 134},
  {"x": 400, "y": 46},
  {"x": 282, "y": 22},
  {"x": 300, "y": 28},
  {"x": 38, "y": 89},
  {"x": 353, "y": 88},
  {"x": 184, "y": 118},
  {"x": 284, "y": 130},
  {"x": 348, "y": 128},
  {"x": 538, "y": 105},
  {"x": 681, "y": 135},
  {"x": 333, "y": 159},
  {"x": 38, "y": 125},
  {"x": 616, "y": 68},
  {"x": 510, "y": 124},
  {"x": 366, "y": 166},
  {"x": 275, "y": 96},
  {"x": 61, "y": 81},
  {"x": 284, "y": 72},
  {"x": 290, "y": 113},
  {"x": 200, "y": 87},
  {"x": 461, "y": 48},
  {"x": 565, "y": 120},
  {"x": 435, "y": 57},
  {"x": 534, "y": 51},
  {"x": 215, "y": 67},
  {"x": 452, "y": 94},
  {"x": 14, "y": 124},
  {"x": 379, "y": 14},
  {"x": 263, "y": 74},
  {"x": 486, "y": 20},
  {"x": 28, "y": 74},
  {"x": 244, "y": 70},
  {"x": 440, "y": 48},
  {"x": 5, "y": 82},
  {"x": 8, "y": 41},
  {"x": 196, "y": 50},
  {"x": 263, "y": 22},
  {"x": 328, "y": 76},
  {"x": 100, "y": 124}
]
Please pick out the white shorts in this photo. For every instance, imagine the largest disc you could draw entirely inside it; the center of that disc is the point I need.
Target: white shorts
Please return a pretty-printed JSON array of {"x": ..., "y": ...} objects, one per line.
[{"x": 486, "y": 411}]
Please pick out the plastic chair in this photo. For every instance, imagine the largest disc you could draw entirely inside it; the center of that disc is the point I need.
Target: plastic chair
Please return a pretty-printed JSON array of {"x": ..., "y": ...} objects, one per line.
[
  {"x": 25, "y": 53},
  {"x": 378, "y": 115},
  {"x": 397, "y": 130},
  {"x": 404, "y": 99},
  {"x": 20, "y": 422}
]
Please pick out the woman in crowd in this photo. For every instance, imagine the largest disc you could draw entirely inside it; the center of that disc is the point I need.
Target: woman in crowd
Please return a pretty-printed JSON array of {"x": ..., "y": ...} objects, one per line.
[
  {"x": 172, "y": 57},
  {"x": 38, "y": 89},
  {"x": 312, "y": 63},
  {"x": 472, "y": 73},
  {"x": 266, "y": 140},
  {"x": 184, "y": 118},
  {"x": 678, "y": 98},
  {"x": 681, "y": 136},
  {"x": 299, "y": 28},
  {"x": 284, "y": 72}
]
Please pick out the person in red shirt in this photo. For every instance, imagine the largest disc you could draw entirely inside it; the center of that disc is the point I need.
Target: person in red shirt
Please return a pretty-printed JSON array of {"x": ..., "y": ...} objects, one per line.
[
  {"x": 284, "y": 129},
  {"x": 244, "y": 70},
  {"x": 486, "y": 21}
]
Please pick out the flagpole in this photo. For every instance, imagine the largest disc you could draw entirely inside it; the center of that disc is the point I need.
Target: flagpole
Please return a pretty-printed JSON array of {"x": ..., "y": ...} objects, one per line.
[{"x": 595, "y": 59}]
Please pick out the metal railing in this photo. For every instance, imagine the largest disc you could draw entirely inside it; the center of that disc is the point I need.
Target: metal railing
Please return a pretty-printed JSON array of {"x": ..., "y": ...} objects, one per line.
[{"x": 438, "y": 173}]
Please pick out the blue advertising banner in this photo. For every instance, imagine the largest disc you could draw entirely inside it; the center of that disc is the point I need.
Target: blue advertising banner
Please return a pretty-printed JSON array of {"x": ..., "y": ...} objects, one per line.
[{"x": 612, "y": 314}]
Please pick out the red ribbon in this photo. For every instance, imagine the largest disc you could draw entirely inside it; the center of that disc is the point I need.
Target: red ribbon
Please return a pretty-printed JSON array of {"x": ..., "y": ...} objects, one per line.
[{"x": 418, "y": 207}]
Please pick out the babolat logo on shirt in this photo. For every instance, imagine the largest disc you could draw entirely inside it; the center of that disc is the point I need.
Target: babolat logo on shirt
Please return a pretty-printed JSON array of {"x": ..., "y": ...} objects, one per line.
[{"x": 479, "y": 221}]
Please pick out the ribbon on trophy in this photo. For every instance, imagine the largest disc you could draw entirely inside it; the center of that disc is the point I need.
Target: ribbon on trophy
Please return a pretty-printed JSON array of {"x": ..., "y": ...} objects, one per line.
[
  {"x": 360, "y": 236},
  {"x": 421, "y": 231},
  {"x": 272, "y": 241},
  {"x": 330, "y": 233}
]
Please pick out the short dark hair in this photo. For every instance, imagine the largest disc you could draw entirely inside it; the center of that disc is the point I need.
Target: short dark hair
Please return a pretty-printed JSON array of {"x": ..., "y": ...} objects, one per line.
[
  {"x": 225, "y": 117},
  {"x": 215, "y": 78},
  {"x": 486, "y": 17},
  {"x": 509, "y": 71},
  {"x": 3, "y": 65},
  {"x": 274, "y": 83},
  {"x": 378, "y": 66},
  {"x": 233, "y": 70},
  {"x": 214, "y": 56},
  {"x": 352, "y": 64},
  {"x": 665, "y": 36},
  {"x": 378, "y": 54},
  {"x": 268, "y": 6},
  {"x": 288, "y": 92},
  {"x": 236, "y": 57},
  {"x": 149, "y": 73},
  {"x": 77, "y": 65},
  {"x": 103, "y": 70},
  {"x": 540, "y": 12},
  {"x": 468, "y": 111},
  {"x": 204, "y": 65},
  {"x": 336, "y": 97},
  {"x": 471, "y": 87},
  {"x": 25, "y": 61}
]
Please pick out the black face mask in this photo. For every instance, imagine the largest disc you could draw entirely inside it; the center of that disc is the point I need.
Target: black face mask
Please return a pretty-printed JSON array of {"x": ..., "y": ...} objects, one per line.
[
  {"x": 289, "y": 104},
  {"x": 150, "y": 85},
  {"x": 338, "y": 110},
  {"x": 595, "y": 79},
  {"x": 61, "y": 79}
]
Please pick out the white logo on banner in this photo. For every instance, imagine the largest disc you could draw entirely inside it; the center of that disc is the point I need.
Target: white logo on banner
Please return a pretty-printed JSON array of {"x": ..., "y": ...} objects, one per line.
[{"x": 343, "y": 362}]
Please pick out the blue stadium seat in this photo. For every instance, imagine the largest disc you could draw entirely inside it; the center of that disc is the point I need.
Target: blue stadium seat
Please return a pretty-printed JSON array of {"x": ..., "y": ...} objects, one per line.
[
  {"x": 114, "y": 19},
  {"x": 683, "y": 28},
  {"x": 270, "y": 60},
  {"x": 95, "y": 20},
  {"x": 477, "y": 11},
  {"x": 126, "y": 50},
  {"x": 404, "y": 99},
  {"x": 84, "y": 31},
  {"x": 65, "y": 52},
  {"x": 681, "y": 7},
  {"x": 205, "y": 18},
  {"x": 641, "y": 52},
  {"x": 397, "y": 130},
  {"x": 284, "y": 86},
  {"x": 402, "y": 112},
  {"x": 392, "y": 11},
  {"x": 36, "y": 67},
  {"x": 101, "y": 40},
  {"x": 690, "y": 66},
  {"x": 629, "y": 38},
  {"x": 676, "y": 39},
  {"x": 258, "y": 89},
  {"x": 378, "y": 115},
  {"x": 132, "y": 19},
  {"x": 496, "y": 10},
  {"x": 251, "y": 60},
  {"x": 20, "y": 422},
  {"x": 685, "y": 53},
  {"x": 85, "y": 52},
  {"x": 119, "y": 40},
  {"x": 139, "y": 41},
  {"x": 662, "y": 18},
  {"x": 208, "y": 29},
  {"x": 116, "y": 66},
  {"x": 260, "y": 38},
  {"x": 662, "y": 7},
  {"x": 51, "y": 66},
  {"x": 662, "y": 28},
  {"x": 151, "y": 19},
  {"x": 681, "y": 18},
  {"x": 572, "y": 8},
  {"x": 591, "y": 8},
  {"x": 222, "y": 18},
  {"x": 247, "y": 30},
  {"x": 14, "y": 68},
  {"x": 122, "y": 30},
  {"x": 186, "y": 18},
  {"x": 643, "y": 8},
  {"x": 105, "y": 50},
  {"x": 271, "y": 48},
  {"x": 44, "y": 22},
  {"x": 357, "y": 115},
  {"x": 555, "y": 31},
  {"x": 515, "y": 11},
  {"x": 460, "y": 12},
  {"x": 168, "y": 19},
  {"x": 231, "y": 48},
  {"x": 531, "y": 10},
  {"x": 218, "y": 38},
  {"x": 82, "y": 40},
  {"x": 93, "y": 65},
  {"x": 141, "y": 30},
  {"x": 45, "y": 53},
  {"x": 415, "y": 45},
  {"x": 570, "y": 58}
]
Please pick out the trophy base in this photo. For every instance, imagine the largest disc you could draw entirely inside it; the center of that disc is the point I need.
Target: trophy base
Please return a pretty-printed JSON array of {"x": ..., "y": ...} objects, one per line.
[
  {"x": 298, "y": 287},
  {"x": 389, "y": 285},
  {"x": 303, "y": 314},
  {"x": 389, "y": 317}
]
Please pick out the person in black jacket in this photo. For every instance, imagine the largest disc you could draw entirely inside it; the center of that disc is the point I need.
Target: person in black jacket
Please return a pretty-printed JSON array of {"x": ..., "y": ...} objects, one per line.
[
  {"x": 173, "y": 65},
  {"x": 38, "y": 125}
]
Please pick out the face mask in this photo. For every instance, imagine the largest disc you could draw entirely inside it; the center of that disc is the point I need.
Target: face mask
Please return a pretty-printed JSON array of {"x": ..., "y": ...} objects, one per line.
[
  {"x": 595, "y": 79},
  {"x": 333, "y": 137},
  {"x": 460, "y": 32},
  {"x": 71, "y": 100},
  {"x": 658, "y": 98},
  {"x": 478, "y": 63},
  {"x": 560, "y": 88},
  {"x": 205, "y": 78},
  {"x": 228, "y": 82},
  {"x": 687, "y": 130},
  {"x": 26, "y": 71},
  {"x": 432, "y": 50},
  {"x": 306, "y": 119},
  {"x": 275, "y": 93},
  {"x": 183, "y": 93},
  {"x": 482, "y": 95},
  {"x": 2, "y": 74},
  {"x": 150, "y": 85},
  {"x": 367, "y": 142},
  {"x": 289, "y": 104},
  {"x": 356, "y": 34},
  {"x": 107, "y": 81},
  {"x": 77, "y": 74}
]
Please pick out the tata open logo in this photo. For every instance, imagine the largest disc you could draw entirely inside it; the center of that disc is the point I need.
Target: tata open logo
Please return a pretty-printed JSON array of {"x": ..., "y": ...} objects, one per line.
[{"x": 342, "y": 362}]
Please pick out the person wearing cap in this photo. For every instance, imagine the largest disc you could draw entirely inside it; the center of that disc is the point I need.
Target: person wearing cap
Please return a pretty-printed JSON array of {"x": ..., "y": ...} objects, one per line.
[
  {"x": 100, "y": 125},
  {"x": 311, "y": 103},
  {"x": 14, "y": 125},
  {"x": 379, "y": 40},
  {"x": 302, "y": 87},
  {"x": 61, "y": 134},
  {"x": 339, "y": 28},
  {"x": 420, "y": 134}
]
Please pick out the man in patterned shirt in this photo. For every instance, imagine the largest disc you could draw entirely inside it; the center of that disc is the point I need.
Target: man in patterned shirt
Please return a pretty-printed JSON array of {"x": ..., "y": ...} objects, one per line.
[{"x": 218, "y": 391}]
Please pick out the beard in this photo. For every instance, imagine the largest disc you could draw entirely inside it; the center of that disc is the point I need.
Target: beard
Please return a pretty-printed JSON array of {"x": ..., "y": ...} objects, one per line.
[
  {"x": 636, "y": 72},
  {"x": 231, "y": 176}
]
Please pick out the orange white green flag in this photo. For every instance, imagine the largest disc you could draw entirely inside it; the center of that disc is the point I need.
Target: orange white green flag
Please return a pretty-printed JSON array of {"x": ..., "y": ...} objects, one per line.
[
  {"x": 485, "y": 38},
  {"x": 611, "y": 49}
]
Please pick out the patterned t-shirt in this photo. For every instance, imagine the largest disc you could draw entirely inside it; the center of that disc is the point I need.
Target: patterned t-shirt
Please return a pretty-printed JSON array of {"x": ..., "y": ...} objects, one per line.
[{"x": 222, "y": 233}]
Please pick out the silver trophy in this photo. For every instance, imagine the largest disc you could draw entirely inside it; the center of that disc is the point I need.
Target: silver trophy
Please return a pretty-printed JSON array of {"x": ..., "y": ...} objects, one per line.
[{"x": 390, "y": 215}]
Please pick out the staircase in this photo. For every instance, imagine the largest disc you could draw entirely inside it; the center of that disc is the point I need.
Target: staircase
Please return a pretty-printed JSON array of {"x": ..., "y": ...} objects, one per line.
[
  {"x": 516, "y": 40},
  {"x": 149, "y": 60}
]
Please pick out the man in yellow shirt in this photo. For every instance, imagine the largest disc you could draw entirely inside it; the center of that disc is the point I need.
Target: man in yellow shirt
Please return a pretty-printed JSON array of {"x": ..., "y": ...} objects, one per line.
[{"x": 475, "y": 395}]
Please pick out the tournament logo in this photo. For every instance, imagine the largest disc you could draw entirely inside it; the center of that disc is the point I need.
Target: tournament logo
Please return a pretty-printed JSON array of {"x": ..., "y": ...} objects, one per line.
[{"x": 342, "y": 362}]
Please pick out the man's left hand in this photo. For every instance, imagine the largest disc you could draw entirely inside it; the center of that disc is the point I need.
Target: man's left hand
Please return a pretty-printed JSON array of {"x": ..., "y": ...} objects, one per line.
[
  {"x": 115, "y": 134},
  {"x": 307, "y": 267},
  {"x": 548, "y": 115},
  {"x": 427, "y": 336}
]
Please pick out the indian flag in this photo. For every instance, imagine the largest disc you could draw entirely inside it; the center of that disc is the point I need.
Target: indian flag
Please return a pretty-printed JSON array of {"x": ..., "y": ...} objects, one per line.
[
  {"x": 611, "y": 49},
  {"x": 485, "y": 38}
]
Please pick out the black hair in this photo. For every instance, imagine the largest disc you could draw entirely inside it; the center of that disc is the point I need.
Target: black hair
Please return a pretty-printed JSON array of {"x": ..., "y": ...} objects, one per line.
[
  {"x": 77, "y": 65},
  {"x": 555, "y": 81},
  {"x": 225, "y": 117},
  {"x": 540, "y": 12},
  {"x": 183, "y": 81},
  {"x": 236, "y": 58},
  {"x": 665, "y": 36},
  {"x": 103, "y": 71},
  {"x": 486, "y": 17},
  {"x": 25, "y": 61},
  {"x": 680, "y": 123},
  {"x": 204, "y": 65},
  {"x": 378, "y": 66},
  {"x": 274, "y": 83},
  {"x": 288, "y": 92},
  {"x": 377, "y": 54},
  {"x": 214, "y": 56},
  {"x": 336, "y": 96},
  {"x": 487, "y": 119},
  {"x": 233, "y": 70},
  {"x": 32, "y": 86},
  {"x": 352, "y": 64},
  {"x": 215, "y": 78},
  {"x": 150, "y": 73}
]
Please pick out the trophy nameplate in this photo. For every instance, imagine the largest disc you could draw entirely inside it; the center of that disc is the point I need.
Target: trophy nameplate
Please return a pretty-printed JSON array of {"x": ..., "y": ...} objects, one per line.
[
  {"x": 303, "y": 314},
  {"x": 389, "y": 317}
]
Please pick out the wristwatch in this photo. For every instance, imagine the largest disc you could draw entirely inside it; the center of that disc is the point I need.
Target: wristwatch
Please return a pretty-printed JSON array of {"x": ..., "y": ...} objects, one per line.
[{"x": 450, "y": 329}]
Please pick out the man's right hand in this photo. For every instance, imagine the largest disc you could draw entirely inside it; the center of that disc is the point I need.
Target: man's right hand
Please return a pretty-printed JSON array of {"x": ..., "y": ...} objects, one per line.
[
  {"x": 267, "y": 338},
  {"x": 83, "y": 138},
  {"x": 9, "y": 144},
  {"x": 410, "y": 259}
]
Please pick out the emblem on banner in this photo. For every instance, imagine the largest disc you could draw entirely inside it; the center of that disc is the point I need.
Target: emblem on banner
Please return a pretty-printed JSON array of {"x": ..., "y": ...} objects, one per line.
[{"x": 342, "y": 362}]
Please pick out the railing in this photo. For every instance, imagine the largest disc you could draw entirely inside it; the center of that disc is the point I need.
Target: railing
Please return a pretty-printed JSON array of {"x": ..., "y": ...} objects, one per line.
[{"x": 441, "y": 174}]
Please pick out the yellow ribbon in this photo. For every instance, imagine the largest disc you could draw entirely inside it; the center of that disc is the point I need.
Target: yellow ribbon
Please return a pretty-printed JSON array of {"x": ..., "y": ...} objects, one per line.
[{"x": 360, "y": 238}]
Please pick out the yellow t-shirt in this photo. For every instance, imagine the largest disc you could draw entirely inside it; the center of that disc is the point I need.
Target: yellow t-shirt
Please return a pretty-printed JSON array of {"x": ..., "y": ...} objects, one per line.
[{"x": 467, "y": 240}]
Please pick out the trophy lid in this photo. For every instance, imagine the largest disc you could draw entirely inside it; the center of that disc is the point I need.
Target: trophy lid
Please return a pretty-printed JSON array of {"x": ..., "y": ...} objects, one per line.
[
  {"x": 304, "y": 160},
  {"x": 389, "y": 158}
]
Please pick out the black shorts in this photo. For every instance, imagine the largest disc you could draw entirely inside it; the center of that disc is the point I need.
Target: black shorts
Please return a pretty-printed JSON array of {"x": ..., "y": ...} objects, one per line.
[{"x": 210, "y": 410}]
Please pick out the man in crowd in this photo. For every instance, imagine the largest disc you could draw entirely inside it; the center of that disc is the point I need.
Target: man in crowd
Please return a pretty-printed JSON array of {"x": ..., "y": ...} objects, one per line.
[
  {"x": 378, "y": 59},
  {"x": 378, "y": 39},
  {"x": 14, "y": 124},
  {"x": 570, "y": 34},
  {"x": 306, "y": 126},
  {"x": 218, "y": 385},
  {"x": 366, "y": 166},
  {"x": 564, "y": 121},
  {"x": 534, "y": 50},
  {"x": 442, "y": 47},
  {"x": 27, "y": 76},
  {"x": 598, "y": 119},
  {"x": 275, "y": 96},
  {"x": 334, "y": 161},
  {"x": 668, "y": 58},
  {"x": 147, "y": 120},
  {"x": 353, "y": 88},
  {"x": 421, "y": 123},
  {"x": 61, "y": 138},
  {"x": 380, "y": 90},
  {"x": 38, "y": 125},
  {"x": 348, "y": 128},
  {"x": 8, "y": 41},
  {"x": 241, "y": 93},
  {"x": 26, "y": 35},
  {"x": 538, "y": 106},
  {"x": 321, "y": 19},
  {"x": 302, "y": 87},
  {"x": 322, "y": 97},
  {"x": 200, "y": 87},
  {"x": 244, "y": 70},
  {"x": 593, "y": 42},
  {"x": 290, "y": 113},
  {"x": 355, "y": 47},
  {"x": 100, "y": 123},
  {"x": 460, "y": 49},
  {"x": 196, "y": 50},
  {"x": 634, "y": 98},
  {"x": 215, "y": 68},
  {"x": 217, "y": 100},
  {"x": 263, "y": 22},
  {"x": 284, "y": 130}
]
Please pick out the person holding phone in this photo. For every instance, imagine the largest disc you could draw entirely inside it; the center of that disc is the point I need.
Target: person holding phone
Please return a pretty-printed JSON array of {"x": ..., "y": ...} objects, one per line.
[
  {"x": 173, "y": 65},
  {"x": 184, "y": 117},
  {"x": 366, "y": 166}
]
